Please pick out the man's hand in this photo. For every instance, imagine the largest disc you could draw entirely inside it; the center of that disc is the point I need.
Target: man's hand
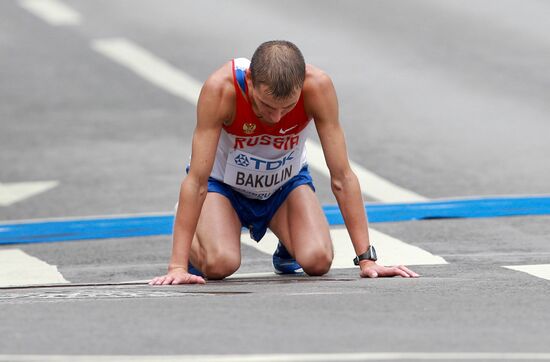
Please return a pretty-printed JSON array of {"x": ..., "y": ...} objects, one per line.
[
  {"x": 369, "y": 269},
  {"x": 177, "y": 276}
]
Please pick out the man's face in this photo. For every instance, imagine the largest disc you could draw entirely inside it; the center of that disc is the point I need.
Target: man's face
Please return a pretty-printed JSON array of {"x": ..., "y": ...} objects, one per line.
[{"x": 269, "y": 109}]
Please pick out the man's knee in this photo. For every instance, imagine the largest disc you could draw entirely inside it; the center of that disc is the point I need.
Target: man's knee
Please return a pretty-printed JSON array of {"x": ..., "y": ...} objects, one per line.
[
  {"x": 317, "y": 262},
  {"x": 219, "y": 264}
]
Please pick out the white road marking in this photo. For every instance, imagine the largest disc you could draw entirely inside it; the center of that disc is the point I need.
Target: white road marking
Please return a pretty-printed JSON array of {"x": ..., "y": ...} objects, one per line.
[
  {"x": 371, "y": 184},
  {"x": 19, "y": 269},
  {"x": 300, "y": 294},
  {"x": 296, "y": 357},
  {"x": 52, "y": 11},
  {"x": 538, "y": 270},
  {"x": 150, "y": 67},
  {"x": 10, "y": 193},
  {"x": 251, "y": 275},
  {"x": 391, "y": 250},
  {"x": 87, "y": 217}
]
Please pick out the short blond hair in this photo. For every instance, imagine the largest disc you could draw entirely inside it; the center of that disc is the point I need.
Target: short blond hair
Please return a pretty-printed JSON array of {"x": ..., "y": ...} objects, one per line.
[{"x": 280, "y": 65}]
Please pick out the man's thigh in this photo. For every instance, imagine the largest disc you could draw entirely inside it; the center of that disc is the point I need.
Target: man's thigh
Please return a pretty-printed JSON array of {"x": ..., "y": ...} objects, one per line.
[
  {"x": 218, "y": 233},
  {"x": 301, "y": 225}
]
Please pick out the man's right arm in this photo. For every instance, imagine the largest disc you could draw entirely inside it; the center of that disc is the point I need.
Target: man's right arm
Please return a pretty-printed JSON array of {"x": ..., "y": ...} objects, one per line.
[{"x": 213, "y": 109}]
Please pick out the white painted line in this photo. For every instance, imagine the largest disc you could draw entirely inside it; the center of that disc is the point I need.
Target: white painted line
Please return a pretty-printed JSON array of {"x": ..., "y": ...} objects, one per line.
[
  {"x": 19, "y": 269},
  {"x": 52, "y": 11},
  {"x": 10, "y": 193},
  {"x": 391, "y": 251},
  {"x": 150, "y": 67},
  {"x": 267, "y": 245},
  {"x": 90, "y": 217},
  {"x": 372, "y": 185},
  {"x": 297, "y": 357},
  {"x": 538, "y": 270},
  {"x": 300, "y": 294},
  {"x": 251, "y": 275}
]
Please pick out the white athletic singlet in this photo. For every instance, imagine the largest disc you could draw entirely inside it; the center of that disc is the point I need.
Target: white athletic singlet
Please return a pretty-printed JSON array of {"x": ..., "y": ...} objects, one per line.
[{"x": 254, "y": 158}]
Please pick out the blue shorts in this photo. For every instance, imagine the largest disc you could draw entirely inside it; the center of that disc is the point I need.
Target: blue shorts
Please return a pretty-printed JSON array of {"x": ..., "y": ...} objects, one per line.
[{"x": 254, "y": 214}]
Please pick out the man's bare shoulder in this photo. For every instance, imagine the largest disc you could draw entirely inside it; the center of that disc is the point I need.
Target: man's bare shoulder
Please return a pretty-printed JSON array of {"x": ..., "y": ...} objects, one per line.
[
  {"x": 218, "y": 93},
  {"x": 318, "y": 91},
  {"x": 317, "y": 80},
  {"x": 220, "y": 82}
]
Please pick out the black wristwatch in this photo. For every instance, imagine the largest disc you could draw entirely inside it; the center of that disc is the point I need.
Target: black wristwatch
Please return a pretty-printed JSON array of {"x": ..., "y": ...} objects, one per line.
[{"x": 370, "y": 254}]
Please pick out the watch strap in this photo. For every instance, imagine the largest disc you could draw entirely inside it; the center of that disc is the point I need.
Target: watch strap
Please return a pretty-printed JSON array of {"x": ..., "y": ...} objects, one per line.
[{"x": 370, "y": 254}]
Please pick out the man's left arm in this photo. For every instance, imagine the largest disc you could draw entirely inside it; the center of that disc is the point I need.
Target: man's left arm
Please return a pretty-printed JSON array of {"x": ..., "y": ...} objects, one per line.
[{"x": 322, "y": 104}]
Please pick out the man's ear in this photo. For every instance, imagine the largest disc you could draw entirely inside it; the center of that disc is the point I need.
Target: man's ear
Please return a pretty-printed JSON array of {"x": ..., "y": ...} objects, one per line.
[{"x": 248, "y": 79}]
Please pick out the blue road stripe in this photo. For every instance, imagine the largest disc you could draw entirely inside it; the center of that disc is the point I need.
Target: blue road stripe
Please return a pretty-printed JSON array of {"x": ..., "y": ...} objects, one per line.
[{"x": 126, "y": 227}]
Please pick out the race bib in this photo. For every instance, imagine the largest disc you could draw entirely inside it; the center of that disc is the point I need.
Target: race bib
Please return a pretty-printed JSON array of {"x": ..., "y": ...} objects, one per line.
[{"x": 258, "y": 177}]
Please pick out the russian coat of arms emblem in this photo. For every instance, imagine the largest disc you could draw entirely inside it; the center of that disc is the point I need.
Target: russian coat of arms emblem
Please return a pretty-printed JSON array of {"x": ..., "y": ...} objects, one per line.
[{"x": 249, "y": 128}]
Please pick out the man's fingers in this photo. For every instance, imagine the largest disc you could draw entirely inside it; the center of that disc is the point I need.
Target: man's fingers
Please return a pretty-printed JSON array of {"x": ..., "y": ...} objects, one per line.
[
  {"x": 398, "y": 271},
  {"x": 408, "y": 271},
  {"x": 157, "y": 281},
  {"x": 178, "y": 280},
  {"x": 369, "y": 273},
  {"x": 381, "y": 271},
  {"x": 404, "y": 274},
  {"x": 392, "y": 272},
  {"x": 189, "y": 279},
  {"x": 167, "y": 280},
  {"x": 195, "y": 279}
]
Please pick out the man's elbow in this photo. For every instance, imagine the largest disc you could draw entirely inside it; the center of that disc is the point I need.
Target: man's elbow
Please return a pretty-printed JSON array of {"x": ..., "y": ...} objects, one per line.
[
  {"x": 194, "y": 186},
  {"x": 340, "y": 182}
]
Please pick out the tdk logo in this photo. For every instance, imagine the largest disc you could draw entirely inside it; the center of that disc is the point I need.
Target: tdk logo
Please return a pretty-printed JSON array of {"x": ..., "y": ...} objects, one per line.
[
  {"x": 242, "y": 160},
  {"x": 264, "y": 165}
]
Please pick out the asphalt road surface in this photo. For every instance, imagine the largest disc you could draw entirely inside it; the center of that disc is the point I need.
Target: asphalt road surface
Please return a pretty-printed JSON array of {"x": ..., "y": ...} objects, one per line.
[{"x": 444, "y": 99}]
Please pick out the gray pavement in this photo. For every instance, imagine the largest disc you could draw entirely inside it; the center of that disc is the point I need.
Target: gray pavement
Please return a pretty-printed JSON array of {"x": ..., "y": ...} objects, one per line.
[{"x": 446, "y": 99}]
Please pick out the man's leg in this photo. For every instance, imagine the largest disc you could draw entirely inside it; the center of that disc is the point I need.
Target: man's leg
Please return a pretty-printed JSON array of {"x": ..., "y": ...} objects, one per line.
[
  {"x": 302, "y": 227},
  {"x": 216, "y": 247}
]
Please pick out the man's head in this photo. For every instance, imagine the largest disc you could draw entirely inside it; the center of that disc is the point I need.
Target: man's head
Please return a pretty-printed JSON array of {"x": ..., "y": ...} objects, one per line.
[
  {"x": 277, "y": 72},
  {"x": 279, "y": 65}
]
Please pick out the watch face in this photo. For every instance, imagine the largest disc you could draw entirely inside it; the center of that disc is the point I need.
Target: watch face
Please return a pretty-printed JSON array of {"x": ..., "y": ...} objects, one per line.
[{"x": 372, "y": 253}]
